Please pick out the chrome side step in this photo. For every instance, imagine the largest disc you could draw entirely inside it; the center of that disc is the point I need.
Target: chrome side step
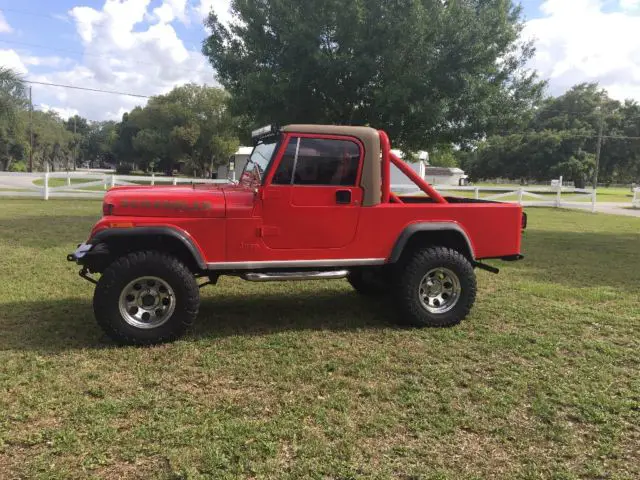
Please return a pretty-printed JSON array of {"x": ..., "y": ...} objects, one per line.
[{"x": 289, "y": 276}]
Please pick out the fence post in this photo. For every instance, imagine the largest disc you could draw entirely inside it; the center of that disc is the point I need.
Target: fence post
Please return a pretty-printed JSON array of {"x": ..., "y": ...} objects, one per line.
[
  {"x": 104, "y": 182},
  {"x": 559, "y": 197},
  {"x": 113, "y": 181},
  {"x": 153, "y": 179},
  {"x": 46, "y": 185},
  {"x": 477, "y": 193},
  {"x": 520, "y": 196},
  {"x": 68, "y": 179},
  {"x": 175, "y": 181}
]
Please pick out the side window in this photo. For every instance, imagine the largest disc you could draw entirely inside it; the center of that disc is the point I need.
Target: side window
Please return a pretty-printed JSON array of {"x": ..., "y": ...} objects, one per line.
[
  {"x": 324, "y": 161},
  {"x": 285, "y": 169}
]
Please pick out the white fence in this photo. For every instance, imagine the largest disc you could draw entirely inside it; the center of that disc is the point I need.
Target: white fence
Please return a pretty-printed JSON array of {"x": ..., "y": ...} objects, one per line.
[
  {"x": 93, "y": 185},
  {"x": 24, "y": 184},
  {"x": 561, "y": 197}
]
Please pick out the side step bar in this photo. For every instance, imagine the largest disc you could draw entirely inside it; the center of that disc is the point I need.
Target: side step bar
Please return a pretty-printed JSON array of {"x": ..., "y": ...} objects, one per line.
[{"x": 289, "y": 276}]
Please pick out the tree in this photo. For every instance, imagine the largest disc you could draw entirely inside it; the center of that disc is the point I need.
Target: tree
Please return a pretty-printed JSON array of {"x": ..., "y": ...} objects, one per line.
[
  {"x": 430, "y": 72},
  {"x": 189, "y": 128},
  {"x": 443, "y": 156},
  {"x": 12, "y": 103},
  {"x": 53, "y": 143},
  {"x": 12, "y": 94},
  {"x": 560, "y": 139}
]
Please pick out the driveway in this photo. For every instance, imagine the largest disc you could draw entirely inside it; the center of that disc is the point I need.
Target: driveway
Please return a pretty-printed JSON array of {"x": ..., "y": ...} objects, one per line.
[
  {"x": 16, "y": 181},
  {"x": 618, "y": 209}
]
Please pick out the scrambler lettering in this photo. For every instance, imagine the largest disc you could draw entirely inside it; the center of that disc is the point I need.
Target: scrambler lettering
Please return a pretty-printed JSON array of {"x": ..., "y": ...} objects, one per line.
[{"x": 166, "y": 205}]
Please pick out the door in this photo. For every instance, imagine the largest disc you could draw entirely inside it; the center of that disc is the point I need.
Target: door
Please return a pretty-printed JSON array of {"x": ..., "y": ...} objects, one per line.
[{"x": 313, "y": 198}]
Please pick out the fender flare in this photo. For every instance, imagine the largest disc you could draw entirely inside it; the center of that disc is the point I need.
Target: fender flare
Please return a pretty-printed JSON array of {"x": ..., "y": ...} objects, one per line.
[
  {"x": 103, "y": 236},
  {"x": 410, "y": 230}
]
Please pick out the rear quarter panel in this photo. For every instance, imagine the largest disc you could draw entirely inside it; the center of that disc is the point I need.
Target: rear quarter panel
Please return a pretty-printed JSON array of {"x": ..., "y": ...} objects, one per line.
[{"x": 494, "y": 229}]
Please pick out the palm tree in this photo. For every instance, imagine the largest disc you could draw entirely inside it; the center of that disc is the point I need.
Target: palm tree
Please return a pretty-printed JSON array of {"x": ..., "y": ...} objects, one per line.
[{"x": 12, "y": 93}]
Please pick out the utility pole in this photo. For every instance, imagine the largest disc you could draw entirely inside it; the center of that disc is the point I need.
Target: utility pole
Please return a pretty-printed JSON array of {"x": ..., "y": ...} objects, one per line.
[
  {"x": 75, "y": 144},
  {"x": 30, "y": 132},
  {"x": 598, "y": 151}
]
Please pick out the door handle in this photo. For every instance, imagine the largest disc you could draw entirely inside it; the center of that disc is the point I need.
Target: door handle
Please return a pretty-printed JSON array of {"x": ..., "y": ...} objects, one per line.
[{"x": 343, "y": 197}]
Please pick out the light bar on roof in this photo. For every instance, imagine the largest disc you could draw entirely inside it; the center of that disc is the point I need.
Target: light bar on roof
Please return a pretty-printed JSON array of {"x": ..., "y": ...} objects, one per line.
[{"x": 264, "y": 132}]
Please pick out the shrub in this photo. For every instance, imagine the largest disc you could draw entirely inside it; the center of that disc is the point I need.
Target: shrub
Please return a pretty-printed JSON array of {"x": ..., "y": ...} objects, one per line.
[
  {"x": 18, "y": 167},
  {"x": 124, "y": 169}
]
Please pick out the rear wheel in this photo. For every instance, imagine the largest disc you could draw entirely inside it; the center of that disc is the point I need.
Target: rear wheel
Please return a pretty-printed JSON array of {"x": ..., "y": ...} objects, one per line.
[
  {"x": 146, "y": 298},
  {"x": 436, "y": 288}
]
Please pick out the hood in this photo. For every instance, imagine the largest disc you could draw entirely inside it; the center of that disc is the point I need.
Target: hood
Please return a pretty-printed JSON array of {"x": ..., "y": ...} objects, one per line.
[{"x": 166, "y": 201}]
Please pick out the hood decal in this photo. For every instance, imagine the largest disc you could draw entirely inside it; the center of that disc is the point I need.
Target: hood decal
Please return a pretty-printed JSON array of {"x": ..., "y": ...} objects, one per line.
[{"x": 167, "y": 204}]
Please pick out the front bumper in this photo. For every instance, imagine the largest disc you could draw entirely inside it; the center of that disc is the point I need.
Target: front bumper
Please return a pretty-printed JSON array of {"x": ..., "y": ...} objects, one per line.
[{"x": 81, "y": 252}]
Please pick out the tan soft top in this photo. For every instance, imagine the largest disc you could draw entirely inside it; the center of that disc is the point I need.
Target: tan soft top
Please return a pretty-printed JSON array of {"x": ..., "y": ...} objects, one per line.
[{"x": 371, "y": 174}]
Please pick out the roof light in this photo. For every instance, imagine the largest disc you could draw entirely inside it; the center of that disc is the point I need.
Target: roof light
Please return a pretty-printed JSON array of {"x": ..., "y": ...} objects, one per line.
[{"x": 263, "y": 132}]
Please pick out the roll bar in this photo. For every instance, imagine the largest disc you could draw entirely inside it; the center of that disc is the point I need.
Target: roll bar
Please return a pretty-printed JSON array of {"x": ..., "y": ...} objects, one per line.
[{"x": 387, "y": 158}]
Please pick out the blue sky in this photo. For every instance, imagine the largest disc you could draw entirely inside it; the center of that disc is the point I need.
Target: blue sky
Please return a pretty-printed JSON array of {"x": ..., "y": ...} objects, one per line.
[{"x": 149, "y": 46}]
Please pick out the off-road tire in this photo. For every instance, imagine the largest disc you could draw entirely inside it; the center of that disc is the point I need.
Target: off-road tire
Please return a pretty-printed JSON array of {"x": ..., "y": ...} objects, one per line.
[
  {"x": 410, "y": 276},
  {"x": 140, "y": 264},
  {"x": 368, "y": 283}
]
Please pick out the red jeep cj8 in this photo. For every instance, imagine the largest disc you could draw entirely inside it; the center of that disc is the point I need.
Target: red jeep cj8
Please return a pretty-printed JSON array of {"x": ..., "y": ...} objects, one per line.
[{"x": 313, "y": 202}]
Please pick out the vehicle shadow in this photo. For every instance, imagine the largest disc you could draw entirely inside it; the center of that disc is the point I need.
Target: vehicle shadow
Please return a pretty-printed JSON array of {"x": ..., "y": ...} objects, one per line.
[{"x": 69, "y": 324}]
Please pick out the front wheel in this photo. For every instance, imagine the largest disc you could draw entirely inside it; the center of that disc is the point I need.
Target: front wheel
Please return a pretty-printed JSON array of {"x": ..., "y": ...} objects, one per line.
[
  {"x": 146, "y": 298},
  {"x": 436, "y": 288}
]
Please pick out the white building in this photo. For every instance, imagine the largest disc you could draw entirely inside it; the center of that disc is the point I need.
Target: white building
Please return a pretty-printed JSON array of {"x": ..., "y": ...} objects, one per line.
[
  {"x": 433, "y": 175},
  {"x": 236, "y": 164}
]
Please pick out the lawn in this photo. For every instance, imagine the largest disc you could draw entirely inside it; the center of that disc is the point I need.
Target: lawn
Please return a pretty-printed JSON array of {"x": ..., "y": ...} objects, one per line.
[{"x": 311, "y": 381}]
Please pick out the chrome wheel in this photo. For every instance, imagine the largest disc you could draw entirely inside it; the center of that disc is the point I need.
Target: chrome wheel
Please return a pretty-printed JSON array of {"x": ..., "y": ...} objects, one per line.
[
  {"x": 147, "y": 302},
  {"x": 439, "y": 290}
]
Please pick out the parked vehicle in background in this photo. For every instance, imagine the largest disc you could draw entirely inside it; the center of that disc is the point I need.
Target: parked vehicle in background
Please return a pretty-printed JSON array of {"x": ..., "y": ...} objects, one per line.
[{"x": 313, "y": 202}]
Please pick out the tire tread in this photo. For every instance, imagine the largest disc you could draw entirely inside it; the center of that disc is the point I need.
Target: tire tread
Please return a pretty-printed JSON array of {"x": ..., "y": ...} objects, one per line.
[
  {"x": 412, "y": 310},
  {"x": 102, "y": 303}
]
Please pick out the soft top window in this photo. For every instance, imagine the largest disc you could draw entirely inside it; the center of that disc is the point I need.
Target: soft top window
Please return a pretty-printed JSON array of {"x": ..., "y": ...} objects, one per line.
[{"x": 319, "y": 161}]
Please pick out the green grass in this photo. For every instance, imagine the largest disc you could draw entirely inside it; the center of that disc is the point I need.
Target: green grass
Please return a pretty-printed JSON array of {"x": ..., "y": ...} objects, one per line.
[
  {"x": 309, "y": 380},
  {"x": 62, "y": 182}
]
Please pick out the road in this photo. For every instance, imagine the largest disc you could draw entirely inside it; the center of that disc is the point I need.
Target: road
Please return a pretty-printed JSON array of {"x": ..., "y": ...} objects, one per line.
[
  {"x": 618, "y": 209},
  {"x": 16, "y": 181}
]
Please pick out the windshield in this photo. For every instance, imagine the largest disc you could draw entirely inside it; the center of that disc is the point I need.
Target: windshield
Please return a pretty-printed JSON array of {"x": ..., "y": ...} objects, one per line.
[{"x": 258, "y": 162}]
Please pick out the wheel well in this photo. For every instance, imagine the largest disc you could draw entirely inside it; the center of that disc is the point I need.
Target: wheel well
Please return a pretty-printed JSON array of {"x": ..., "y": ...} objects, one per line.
[
  {"x": 445, "y": 238},
  {"x": 111, "y": 248}
]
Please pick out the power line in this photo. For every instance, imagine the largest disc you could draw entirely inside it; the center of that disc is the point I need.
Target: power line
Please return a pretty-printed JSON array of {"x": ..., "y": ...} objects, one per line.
[
  {"x": 112, "y": 92},
  {"x": 35, "y": 14}
]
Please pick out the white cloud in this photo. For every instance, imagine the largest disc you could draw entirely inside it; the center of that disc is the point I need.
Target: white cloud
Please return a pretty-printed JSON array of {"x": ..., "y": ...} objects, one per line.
[
  {"x": 128, "y": 48},
  {"x": 4, "y": 25},
  {"x": 53, "y": 62},
  {"x": 64, "y": 113},
  {"x": 11, "y": 59},
  {"x": 579, "y": 42},
  {"x": 630, "y": 4},
  {"x": 171, "y": 10}
]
